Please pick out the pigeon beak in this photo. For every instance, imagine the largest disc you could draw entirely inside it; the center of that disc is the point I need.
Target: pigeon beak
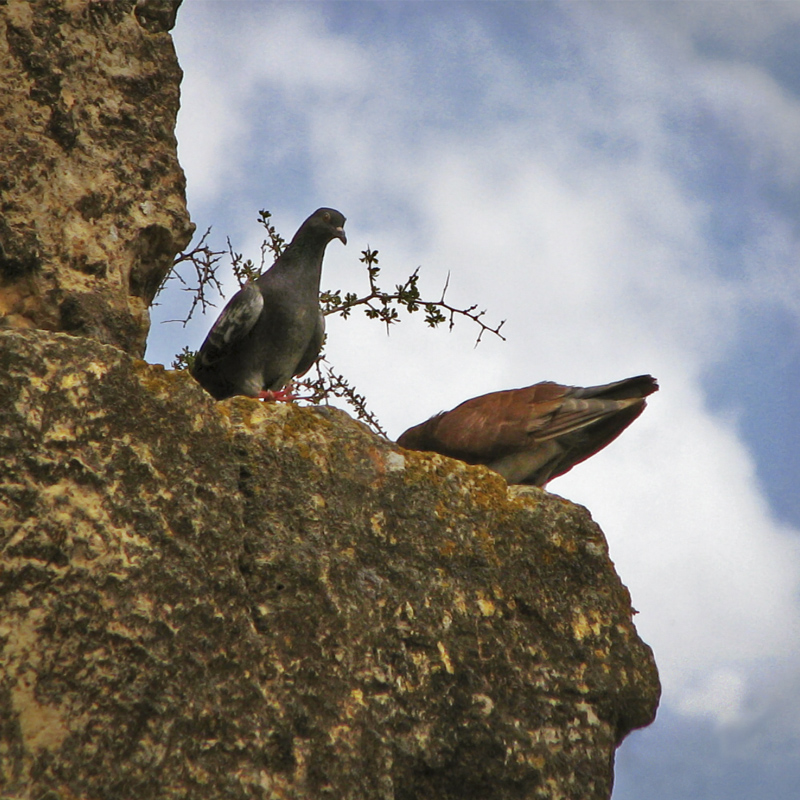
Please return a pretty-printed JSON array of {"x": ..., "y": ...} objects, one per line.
[{"x": 340, "y": 235}]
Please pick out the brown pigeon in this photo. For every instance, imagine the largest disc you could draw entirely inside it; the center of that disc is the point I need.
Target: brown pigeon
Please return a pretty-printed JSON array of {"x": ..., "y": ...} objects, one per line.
[
  {"x": 272, "y": 329},
  {"x": 535, "y": 434}
]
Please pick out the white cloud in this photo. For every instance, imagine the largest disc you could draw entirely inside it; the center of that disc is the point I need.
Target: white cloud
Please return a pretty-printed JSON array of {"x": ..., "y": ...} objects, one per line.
[
  {"x": 742, "y": 26},
  {"x": 758, "y": 109},
  {"x": 714, "y": 576},
  {"x": 210, "y": 126},
  {"x": 720, "y": 696}
]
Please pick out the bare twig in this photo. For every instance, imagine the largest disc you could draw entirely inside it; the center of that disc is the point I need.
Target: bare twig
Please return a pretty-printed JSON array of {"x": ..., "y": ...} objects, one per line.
[
  {"x": 205, "y": 261},
  {"x": 276, "y": 243},
  {"x": 383, "y": 306}
]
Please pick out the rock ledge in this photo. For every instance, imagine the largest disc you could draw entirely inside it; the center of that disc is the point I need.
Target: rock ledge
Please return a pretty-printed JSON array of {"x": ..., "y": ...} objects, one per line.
[{"x": 241, "y": 600}]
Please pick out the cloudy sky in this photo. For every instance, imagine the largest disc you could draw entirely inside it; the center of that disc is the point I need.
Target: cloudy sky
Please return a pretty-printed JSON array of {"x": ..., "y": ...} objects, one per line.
[{"x": 621, "y": 182}]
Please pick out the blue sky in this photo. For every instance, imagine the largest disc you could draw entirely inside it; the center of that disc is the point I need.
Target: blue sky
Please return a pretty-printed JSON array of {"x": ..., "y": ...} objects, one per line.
[{"x": 621, "y": 182}]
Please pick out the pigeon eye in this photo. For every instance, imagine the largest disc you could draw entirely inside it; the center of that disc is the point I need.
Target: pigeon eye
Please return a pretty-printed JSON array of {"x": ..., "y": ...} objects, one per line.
[{"x": 326, "y": 216}]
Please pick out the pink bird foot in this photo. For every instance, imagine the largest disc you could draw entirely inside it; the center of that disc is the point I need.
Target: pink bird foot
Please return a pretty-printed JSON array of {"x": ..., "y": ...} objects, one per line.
[{"x": 280, "y": 396}]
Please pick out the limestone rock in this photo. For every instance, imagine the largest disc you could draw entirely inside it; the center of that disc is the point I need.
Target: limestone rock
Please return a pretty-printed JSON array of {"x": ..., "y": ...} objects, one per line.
[
  {"x": 92, "y": 198},
  {"x": 240, "y": 600}
]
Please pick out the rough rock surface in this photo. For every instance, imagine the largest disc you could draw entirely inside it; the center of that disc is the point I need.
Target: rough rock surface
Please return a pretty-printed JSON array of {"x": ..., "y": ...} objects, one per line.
[
  {"x": 240, "y": 600},
  {"x": 92, "y": 205}
]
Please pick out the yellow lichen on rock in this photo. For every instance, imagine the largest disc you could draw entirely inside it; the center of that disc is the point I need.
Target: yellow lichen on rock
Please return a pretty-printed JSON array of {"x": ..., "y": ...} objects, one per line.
[{"x": 244, "y": 593}]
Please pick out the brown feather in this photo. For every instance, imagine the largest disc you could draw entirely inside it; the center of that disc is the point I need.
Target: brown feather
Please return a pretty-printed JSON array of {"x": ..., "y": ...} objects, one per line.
[{"x": 536, "y": 433}]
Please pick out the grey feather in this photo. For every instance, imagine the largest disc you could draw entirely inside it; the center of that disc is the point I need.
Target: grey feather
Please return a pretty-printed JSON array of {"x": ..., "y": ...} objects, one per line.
[
  {"x": 314, "y": 347},
  {"x": 234, "y": 323}
]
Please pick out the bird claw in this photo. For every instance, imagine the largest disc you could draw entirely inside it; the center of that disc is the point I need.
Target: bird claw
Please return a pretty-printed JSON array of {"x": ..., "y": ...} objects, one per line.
[{"x": 279, "y": 396}]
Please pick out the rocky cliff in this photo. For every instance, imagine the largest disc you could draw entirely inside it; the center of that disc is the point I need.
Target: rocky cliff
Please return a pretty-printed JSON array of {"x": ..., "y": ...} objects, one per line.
[
  {"x": 240, "y": 600},
  {"x": 92, "y": 207},
  {"x": 248, "y": 600}
]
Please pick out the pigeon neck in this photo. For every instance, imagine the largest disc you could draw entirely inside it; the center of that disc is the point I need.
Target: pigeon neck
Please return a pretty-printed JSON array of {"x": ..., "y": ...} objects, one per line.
[{"x": 303, "y": 260}]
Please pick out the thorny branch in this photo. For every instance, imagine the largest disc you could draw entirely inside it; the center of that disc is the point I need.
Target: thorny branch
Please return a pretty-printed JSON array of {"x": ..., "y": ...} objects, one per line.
[
  {"x": 380, "y": 304},
  {"x": 205, "y": 261},
  {"x": 377, "y": 304},
  {"x": 329, "y": 384}
]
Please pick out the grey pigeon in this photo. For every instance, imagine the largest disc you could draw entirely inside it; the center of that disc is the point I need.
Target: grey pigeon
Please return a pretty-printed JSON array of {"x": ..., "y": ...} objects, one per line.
[
  {"x": 535, "y": 434},
  {"x": 272, "y": 329}
]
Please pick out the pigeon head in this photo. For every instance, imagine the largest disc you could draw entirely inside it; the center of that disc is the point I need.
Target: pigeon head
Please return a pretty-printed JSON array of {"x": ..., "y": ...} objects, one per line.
[{"x": 327, "y": 223}]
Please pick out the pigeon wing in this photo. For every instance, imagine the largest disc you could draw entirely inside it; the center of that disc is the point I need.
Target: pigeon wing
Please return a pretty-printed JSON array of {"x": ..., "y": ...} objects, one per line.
[
  {"x": 570, "y": 415},
  {"x": 479, "y": 430},
  {"x": 237, "y": 319}
]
